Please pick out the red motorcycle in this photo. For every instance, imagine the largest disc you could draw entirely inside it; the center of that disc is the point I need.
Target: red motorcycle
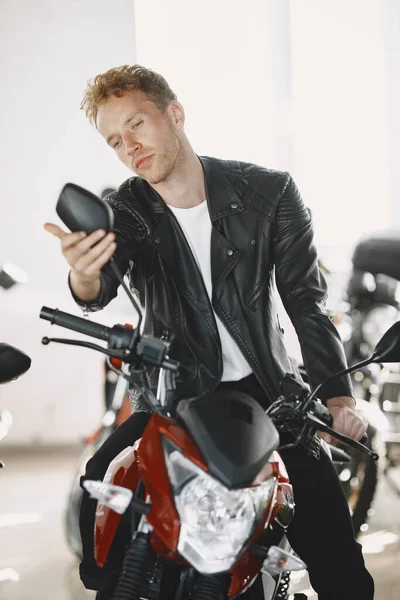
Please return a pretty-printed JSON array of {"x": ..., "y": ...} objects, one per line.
[{"x": 207, "y": 494}]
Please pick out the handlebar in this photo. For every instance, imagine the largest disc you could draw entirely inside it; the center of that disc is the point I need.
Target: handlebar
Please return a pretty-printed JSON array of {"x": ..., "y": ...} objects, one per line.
[
  {"x": 57, "y": 317},
  {"x": 153, "y": 351},
  {"x": 304, "y": 417},
  {"x": 320, "y": 411},
  {"x": 147, "y": 349},
  {"x": 118, "y": 336}
]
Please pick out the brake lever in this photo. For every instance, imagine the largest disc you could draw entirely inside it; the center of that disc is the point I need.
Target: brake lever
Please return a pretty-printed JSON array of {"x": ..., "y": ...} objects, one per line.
[
  {"x": 340, "y": 436},
  {"x": 112, "y": 353}
]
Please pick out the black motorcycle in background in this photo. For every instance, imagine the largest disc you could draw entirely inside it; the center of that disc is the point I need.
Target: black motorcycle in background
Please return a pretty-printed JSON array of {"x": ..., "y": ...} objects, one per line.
[
  {"x": 371, "y": 304},
  {"x": 13, "y": 361}
]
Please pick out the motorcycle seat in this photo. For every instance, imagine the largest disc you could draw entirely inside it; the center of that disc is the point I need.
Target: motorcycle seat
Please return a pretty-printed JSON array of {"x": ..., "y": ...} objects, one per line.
[
  {"x": 380, "y": 289},
  {"x": 379, "y": 253}
]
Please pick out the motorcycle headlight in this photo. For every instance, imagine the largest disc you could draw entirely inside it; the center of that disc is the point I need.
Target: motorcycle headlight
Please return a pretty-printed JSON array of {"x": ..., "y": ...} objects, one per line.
[{"x": 215, "y": 522}]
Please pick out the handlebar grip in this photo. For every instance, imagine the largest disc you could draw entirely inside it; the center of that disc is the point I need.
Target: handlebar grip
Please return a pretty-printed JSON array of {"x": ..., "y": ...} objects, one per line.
[
  {"x": 327, "y": 418},
  {"x": 321, "y": 411},
  {"x": 63, "y": 319}
]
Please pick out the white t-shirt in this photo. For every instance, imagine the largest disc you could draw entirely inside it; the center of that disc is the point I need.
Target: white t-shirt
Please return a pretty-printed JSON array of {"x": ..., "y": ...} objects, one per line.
[{"x": 195, "y": 223}]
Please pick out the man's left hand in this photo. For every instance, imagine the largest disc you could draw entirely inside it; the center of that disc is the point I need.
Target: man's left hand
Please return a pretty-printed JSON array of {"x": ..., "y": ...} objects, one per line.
[{"x": 346, "y": 419}]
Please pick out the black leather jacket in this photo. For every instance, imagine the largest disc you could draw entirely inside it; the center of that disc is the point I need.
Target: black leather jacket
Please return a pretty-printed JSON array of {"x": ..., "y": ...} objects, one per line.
[{"x": 262, "y": 238}]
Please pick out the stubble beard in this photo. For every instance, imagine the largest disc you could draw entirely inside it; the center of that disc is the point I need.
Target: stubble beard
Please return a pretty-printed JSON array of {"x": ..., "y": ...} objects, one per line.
[
  {"x": 166, "y": 163},
  {"x": 161, "y": 170}
]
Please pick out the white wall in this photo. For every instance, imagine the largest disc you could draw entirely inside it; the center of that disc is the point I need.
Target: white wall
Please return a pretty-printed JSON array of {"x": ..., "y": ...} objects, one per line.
[
  {"x": 390, "y": 25},
  {"x": 339, "y": 119},
  {"x": 216, "y": 57},
  {"x": 49, "y": 50}
]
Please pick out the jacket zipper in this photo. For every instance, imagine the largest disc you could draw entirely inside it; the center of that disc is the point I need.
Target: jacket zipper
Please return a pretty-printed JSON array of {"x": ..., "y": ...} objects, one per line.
[
  {"x": 214, "y": 337},
  {"x": 270, "y": 391}
]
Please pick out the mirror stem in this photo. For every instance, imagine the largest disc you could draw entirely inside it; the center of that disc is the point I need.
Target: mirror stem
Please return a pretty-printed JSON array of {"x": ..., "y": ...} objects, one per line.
[
  {"x": 131, "y": 298},
  {"x": 337, "y": 375}
]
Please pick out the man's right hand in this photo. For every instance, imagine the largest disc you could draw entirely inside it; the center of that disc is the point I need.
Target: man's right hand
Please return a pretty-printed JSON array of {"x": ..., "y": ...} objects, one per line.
[{"x": 86, "y": 255}]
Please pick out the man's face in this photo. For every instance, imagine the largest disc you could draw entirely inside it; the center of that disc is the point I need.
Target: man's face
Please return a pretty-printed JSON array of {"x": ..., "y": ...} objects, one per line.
[{"x": 146, "y": 140}]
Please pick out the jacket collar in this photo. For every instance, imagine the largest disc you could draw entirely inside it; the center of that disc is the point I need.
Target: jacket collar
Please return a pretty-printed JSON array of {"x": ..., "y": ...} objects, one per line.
[{"x": 222, "y": 198}]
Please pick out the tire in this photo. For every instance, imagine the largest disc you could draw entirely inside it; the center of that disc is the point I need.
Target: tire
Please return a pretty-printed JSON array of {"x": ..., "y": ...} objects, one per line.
[
  {"x": 360, "y": 486},
  {"x": 71, "y": 521},
  {"x": 367, "y": 494}
]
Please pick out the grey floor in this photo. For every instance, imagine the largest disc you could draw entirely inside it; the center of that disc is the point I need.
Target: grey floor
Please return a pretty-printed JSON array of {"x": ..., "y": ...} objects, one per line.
[{"x": 35, "y": 562}]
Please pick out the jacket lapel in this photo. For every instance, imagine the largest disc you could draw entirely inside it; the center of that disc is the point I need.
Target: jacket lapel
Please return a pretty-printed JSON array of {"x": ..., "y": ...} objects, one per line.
[
  {"x": 223, "y": 203},
  {"x": 170, "y": 242}
]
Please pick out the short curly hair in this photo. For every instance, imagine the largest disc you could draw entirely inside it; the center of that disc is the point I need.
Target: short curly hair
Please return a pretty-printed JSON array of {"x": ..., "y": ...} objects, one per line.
[{"x": 117, "y": 81}]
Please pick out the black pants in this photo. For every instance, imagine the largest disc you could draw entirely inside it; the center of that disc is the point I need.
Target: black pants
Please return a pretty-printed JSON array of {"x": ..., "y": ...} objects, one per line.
[{"x": 321, "y": 532}]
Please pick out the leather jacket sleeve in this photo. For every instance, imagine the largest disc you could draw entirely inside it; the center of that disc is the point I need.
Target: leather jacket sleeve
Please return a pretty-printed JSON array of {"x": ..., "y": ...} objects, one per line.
[
  {"x": 130, "y": 231},
  {"x": 303, "y": 290}
]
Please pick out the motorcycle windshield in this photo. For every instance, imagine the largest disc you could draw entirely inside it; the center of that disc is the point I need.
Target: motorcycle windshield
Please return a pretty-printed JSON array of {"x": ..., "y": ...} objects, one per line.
[{"x": 233, "y": 433}]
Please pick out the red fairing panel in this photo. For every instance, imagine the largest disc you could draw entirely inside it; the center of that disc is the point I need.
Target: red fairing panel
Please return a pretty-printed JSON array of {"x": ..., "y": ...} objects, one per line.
[
  {"x": 153, "y": 472},
  {"x": 249, "y": 565},
  {"x": 147, "y": 464}
]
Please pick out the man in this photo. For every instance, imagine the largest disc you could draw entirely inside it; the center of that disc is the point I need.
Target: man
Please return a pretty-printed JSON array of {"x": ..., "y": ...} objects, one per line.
[{"x": 204, "y": 241}]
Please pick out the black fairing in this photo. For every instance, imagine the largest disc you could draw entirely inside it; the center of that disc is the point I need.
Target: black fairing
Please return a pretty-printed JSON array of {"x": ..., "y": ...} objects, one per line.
[
  {"x": 13, "y": 362},
  {"x": 233, "y": 433}
]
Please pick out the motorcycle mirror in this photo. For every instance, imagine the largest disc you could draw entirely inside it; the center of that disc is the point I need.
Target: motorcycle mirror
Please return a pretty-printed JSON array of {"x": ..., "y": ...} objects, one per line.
[
  {"x": 81, "y": 210},
  {"x": 388, "y": 347},
  {"x": 13, "y": 363}
]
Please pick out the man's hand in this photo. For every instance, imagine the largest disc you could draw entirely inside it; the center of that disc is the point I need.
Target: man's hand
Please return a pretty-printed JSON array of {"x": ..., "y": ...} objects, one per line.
[
  {"x": 346, "y": 419},
  {"x": 86, "y": 255}
]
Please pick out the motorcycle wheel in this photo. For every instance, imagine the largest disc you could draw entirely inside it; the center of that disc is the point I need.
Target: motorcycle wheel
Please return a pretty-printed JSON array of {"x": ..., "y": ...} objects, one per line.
[{"x": 359, "y": 480}]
